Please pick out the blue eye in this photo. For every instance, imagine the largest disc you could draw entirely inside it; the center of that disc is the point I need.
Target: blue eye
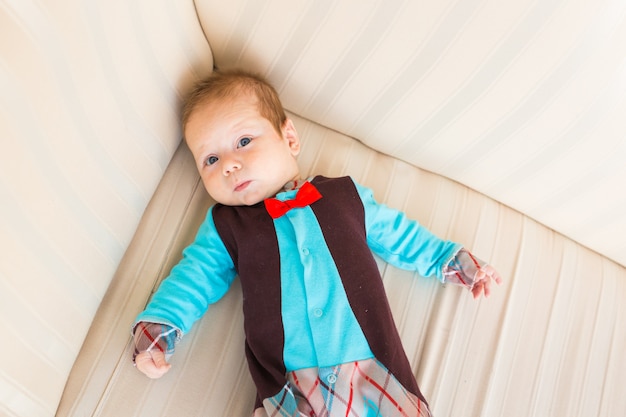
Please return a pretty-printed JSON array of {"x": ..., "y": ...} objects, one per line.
[
  {"x": 211, "y": 160},
  {"x": 244, "y": 142}
]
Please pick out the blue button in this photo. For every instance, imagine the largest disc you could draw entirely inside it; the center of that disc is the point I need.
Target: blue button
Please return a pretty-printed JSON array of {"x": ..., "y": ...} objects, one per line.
[{"x": 318, "y": 312}]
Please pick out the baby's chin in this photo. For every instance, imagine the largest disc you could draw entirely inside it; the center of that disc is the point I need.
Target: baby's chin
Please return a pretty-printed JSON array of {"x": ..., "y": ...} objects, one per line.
[
  {"x": 245, "y": 200},
  {"x": 255, "y": 194}
]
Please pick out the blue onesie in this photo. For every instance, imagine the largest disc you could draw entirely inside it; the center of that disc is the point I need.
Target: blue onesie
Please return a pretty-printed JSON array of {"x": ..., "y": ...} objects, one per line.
[{"x": 313, "y": 296}]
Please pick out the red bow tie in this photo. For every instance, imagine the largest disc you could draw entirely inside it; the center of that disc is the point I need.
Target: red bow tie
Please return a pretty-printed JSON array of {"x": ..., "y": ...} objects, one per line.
[{"x": 307, "y": 194}]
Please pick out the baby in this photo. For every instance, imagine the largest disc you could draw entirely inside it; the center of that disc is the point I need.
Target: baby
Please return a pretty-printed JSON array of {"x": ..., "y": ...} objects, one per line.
[{"x": 320, "y": 337}]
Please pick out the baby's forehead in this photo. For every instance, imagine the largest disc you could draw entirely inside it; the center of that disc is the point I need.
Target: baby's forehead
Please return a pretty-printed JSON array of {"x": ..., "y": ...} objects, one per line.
[
  {"x": 234, "y": 114},
  {"x": 225, "y": 102}
]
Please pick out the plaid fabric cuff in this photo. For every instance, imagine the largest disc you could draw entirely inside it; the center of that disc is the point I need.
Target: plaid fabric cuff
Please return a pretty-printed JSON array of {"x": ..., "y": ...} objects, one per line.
[
  {"x": 462, "y": 269},
  {"x": 154, "y": 336}
]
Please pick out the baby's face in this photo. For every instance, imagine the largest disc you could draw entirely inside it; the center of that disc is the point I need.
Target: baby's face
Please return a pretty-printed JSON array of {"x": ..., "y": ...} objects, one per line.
[{"x": 241, "y": 158}]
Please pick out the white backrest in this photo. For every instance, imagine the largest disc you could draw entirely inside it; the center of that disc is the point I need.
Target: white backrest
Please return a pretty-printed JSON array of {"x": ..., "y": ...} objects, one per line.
[
  {"x": 89, "y": 108},
  {"x": 521, "y": 100}
]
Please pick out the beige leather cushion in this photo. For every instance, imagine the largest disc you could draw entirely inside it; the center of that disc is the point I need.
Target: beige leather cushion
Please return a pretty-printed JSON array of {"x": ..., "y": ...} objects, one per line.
[
  {"x": 88, "y": 123},
  {"x": 549, "y": 342}
]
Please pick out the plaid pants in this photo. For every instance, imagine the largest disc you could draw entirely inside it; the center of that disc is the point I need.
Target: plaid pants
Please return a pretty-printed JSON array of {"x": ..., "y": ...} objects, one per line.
[{"x": 355, "y": 389}]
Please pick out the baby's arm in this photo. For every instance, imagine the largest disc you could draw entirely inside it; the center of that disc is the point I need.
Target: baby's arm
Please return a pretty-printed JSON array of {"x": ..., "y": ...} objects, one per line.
[
  {"x": 201, "y": 278},
  {"x": 403, "y": 242},
  {"x": 154, "y": 343}
]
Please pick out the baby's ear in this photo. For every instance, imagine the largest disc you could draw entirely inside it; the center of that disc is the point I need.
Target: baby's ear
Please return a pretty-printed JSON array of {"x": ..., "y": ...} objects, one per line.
[{"x": 290, "y": 134}]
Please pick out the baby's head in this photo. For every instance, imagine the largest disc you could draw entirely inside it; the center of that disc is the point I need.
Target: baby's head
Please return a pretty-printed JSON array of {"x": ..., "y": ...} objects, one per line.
[
  {"x": 241, "y": 139},
  {"x": 223, "y": 86}
]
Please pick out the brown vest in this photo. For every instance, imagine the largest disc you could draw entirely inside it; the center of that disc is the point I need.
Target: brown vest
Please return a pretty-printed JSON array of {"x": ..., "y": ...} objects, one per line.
[{"x": 249, "y": 236}]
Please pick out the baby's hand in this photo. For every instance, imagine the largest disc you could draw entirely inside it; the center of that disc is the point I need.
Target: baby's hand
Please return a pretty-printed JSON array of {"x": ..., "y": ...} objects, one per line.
[
  {"x": 482, "y": 280},
  {"x": 152, "y": 364}
]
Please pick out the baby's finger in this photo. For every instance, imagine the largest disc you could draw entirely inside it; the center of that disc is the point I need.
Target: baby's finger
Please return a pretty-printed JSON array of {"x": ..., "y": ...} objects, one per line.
[
  {"x": 159, "y": 361},
  {"x": 491, "y": 272},
  {"x": 477, "y": 289},
  {"x": 480, "y": 275},
  {"x": 486, "y": 287},
  {"x": 153, "y": 365}
]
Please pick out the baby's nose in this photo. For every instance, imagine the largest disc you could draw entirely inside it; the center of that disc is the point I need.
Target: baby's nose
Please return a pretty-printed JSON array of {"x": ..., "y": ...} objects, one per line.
[{"x": 231, "y": 165}]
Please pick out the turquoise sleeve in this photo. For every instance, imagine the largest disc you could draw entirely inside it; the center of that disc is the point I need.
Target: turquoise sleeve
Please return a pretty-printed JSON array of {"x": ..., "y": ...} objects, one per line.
[
  {"x": 201, "y": 278},
  {"x": 403, "y": 242}
]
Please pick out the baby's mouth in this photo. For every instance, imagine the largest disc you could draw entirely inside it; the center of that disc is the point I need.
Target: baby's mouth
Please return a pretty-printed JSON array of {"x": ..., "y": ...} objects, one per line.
[{"x": 242, "y": 186}]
